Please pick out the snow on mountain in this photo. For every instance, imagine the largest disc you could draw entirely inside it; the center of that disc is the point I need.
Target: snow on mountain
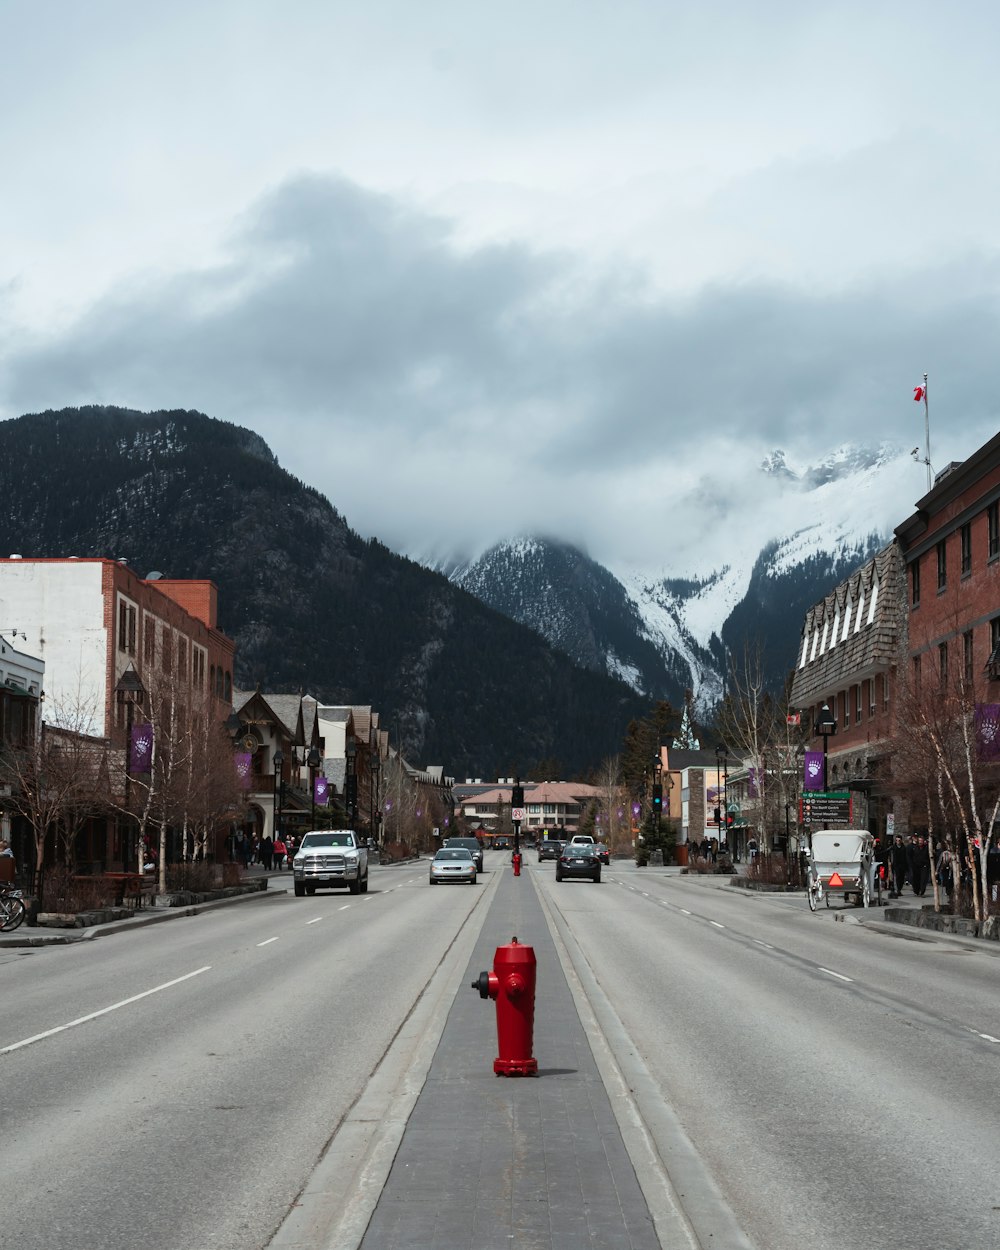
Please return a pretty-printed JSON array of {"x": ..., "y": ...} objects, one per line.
[{"x": 666, "y": 628}]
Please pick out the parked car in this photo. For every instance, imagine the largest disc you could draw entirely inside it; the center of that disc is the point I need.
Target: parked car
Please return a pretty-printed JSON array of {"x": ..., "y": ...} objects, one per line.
[
  {"x": 549, "y": 849},
  {"x": 603, "y": 854},
  {"x": 579, "y": 860},
  {"x": 453, "y": 863},
  {"x": 471, "y": 845}
]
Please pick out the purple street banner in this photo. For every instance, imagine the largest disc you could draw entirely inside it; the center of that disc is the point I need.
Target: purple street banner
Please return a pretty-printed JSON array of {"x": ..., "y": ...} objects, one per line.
[
  {"x": 321, "y": 791},
  {"x": 244, "y": 768},
  {"x": 813, "y": 771},
  {"x": 752, "y": 791},
  {"x": 141, "y": 749},
  {"x": 988, "y": 730}
]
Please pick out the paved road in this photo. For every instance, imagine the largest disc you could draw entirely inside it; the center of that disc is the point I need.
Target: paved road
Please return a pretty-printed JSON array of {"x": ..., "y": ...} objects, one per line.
[
  {"x": 170, "y": 1086},
  {"x": 841, "y": 1083},
  {"x": 192, "y": 1116}
]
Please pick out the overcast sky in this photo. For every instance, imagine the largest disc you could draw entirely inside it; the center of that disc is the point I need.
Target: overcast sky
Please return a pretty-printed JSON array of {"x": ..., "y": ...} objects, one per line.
[{"x": 568, "y": 266}]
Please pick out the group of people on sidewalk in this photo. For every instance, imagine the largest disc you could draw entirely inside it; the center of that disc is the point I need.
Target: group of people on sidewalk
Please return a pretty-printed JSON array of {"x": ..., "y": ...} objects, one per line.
[
  {"x": 910, "y": 862},
  {"x": 270, "y": 853}
]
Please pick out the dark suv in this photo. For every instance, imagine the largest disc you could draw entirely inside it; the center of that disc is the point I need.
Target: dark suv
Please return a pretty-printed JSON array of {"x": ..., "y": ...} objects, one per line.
[
  {"x": 549, "y": 849},
  {"x": 470, "y": 844}
]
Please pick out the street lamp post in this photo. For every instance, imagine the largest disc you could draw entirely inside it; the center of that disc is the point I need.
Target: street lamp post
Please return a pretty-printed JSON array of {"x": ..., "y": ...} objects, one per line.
[
  {"x": 826, "y": 727},
  {"x": 722, "y": 765},
  {"x": 351, "y": 781},
  {"x": 130, "y": 693},
  {"x": 279, "y": 792},
  {"x": 313, "y": 760}
]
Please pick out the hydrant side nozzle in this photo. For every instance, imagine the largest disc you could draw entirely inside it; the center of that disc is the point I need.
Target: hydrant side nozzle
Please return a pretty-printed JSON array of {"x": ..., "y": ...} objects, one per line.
[{"x": 488, "y": 985}]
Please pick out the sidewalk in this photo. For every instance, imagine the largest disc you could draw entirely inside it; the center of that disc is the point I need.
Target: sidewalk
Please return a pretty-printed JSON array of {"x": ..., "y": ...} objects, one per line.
[{"x": 512, "y": 1163}]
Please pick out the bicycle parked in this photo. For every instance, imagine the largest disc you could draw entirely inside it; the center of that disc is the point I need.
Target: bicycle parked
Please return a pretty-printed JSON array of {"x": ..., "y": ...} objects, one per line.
[{"x": 12, "y": 909}]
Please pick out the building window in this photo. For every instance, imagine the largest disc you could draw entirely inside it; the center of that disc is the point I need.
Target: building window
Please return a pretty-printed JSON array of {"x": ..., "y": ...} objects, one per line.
[
  {"x": 845, "y": 700},
  {"x": 148, "y": 639},
  {"x": 942, "y": 565},
  {"x": 885, "y": 692},
  {"x": 168, "y": 649},
  {"x": 871, "y": 696},
  {"x": 915, "y": 584},
  {"x": 967, "y": 658},
  {"x": 993, "y": 663},
  {"x": 943, "y": 663},
  {"x": 993, "y": 526},
  {"x": 966, "y": 550},
  {"x": 126, "y": 627},
  {"x": 182, "y": 658},
  {"x": 857, "y": 701}
]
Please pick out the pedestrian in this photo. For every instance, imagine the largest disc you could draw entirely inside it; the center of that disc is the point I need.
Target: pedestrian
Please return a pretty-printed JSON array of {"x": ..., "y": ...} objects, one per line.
[
  {"x": 279, "y": 853},
  {"x": 7, "y": 865},
  {"x": 921, "y": 867},
  {"x": 911, "y": 850},
  {"x": 898, "y": 866},
  {"x": 267, "y": 852},
  {"x": 943, "y": 870}
]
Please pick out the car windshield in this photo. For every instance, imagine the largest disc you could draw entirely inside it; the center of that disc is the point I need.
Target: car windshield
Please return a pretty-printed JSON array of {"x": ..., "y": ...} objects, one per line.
[
  {"x": 453, "y": 852},
  {"x": 330, "y": 838},
  {"x": 470, "y": 844}
]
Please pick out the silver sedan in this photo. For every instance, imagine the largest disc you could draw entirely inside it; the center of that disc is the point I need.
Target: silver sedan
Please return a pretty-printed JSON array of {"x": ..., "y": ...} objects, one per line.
[{"x": 453, "y": 863}]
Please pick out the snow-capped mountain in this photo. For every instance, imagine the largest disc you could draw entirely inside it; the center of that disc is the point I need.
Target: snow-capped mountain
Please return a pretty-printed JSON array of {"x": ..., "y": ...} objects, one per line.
[{"x": 666, "y": 629}]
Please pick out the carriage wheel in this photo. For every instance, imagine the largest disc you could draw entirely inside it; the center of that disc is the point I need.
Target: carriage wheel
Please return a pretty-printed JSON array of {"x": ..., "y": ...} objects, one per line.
[
  {"x": 813, "y": 891},
  {"x": 866, "y": 889}
]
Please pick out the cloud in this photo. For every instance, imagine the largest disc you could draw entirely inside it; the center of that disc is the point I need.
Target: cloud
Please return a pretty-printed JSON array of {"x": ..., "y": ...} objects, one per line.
[{"x": 447, "y": 396}]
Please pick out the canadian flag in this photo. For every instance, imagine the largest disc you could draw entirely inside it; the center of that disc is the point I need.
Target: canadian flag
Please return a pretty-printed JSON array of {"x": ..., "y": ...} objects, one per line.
[{"x": 918, "y": 393}]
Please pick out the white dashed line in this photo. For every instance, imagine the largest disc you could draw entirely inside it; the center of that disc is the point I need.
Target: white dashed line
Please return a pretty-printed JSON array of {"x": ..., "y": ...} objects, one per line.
[
  {"x": 715, "y": 924},
  {"x": 267, "y": 941},
  {"x": 987, "y": 1037},
  {"x": 839, "y": 975},
  {"x": 685, "y": 912},
  {"x": 644, "y": 894},
  {"x": 95, "y": 1015},
  {"x": 316, "y": 921},
  {"x": 344, "y": 908},
  {"x": 757, "y": 942}
]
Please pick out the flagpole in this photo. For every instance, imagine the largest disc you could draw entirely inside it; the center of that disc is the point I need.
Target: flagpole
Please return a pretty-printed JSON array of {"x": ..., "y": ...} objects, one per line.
[{"x": 927, "y": 436}]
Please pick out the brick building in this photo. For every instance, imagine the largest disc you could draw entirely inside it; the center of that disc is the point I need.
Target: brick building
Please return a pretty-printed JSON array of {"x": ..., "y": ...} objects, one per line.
[{"x": 851, "y": 643}]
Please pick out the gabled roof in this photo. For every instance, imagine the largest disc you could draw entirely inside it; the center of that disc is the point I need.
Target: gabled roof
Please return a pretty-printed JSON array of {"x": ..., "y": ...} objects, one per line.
[{"x": 285, "y": 710}]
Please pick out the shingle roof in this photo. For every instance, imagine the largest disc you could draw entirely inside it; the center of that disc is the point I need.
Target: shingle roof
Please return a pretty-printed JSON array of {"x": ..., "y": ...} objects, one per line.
[{"x": 827, "y": 658}]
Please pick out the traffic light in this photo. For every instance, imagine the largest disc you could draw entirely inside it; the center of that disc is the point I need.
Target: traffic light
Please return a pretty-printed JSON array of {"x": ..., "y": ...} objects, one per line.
[
  {"x": 657, "y": 797},
  {"x": 717, "y": 815},
  {"x": 517, "y": 796}
]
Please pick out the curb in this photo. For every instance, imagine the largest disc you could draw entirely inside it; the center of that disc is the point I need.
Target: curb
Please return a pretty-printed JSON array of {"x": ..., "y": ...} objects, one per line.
[{"x": 66, "y": 937}]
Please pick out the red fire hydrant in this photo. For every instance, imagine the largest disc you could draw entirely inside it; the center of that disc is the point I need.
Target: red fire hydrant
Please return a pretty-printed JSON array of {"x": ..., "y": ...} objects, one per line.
[
  {"x": 512, "y": 984},
  {"x": 515, "y": 859}
]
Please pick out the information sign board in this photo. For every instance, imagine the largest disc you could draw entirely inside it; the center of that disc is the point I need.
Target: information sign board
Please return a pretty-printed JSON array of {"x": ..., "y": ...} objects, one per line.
[{"x": 826, "y": 807}]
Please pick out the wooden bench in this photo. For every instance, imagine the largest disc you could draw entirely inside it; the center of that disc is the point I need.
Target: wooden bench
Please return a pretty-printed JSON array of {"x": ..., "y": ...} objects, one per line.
[{"x": 132, "y": 889}]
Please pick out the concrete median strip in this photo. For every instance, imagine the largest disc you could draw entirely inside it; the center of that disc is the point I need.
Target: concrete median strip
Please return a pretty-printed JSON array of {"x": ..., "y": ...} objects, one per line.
[{"x": 335, "y": 1207}]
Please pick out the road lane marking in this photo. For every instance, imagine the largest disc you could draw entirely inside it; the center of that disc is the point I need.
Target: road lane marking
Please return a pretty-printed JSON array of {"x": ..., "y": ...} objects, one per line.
[
  {"x": 839, "y": 975},
  {"x": 94, "y": 1015},
  {"x": 757, "y": 942},
  {"x": 987, "y": 1037},
  {"x": 344, "y": 908},
  {"x": 316, "y": 921},
  {"x": 716, "y": 924},
  {"x": 685, "y": 912},
  {"x": 267, "y": 941}
]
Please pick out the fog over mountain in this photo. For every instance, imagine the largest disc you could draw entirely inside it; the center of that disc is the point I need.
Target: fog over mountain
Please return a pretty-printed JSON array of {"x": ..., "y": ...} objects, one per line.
[{"x": 669, "y": 624}]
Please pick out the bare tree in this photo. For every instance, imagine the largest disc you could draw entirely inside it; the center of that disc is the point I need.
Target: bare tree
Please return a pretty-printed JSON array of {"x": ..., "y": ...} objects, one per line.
[{"x": 945, "y": 762}]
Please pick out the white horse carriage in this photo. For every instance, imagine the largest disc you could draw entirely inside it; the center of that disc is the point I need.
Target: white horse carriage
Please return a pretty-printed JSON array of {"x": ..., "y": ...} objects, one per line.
[{"x": 842, "y": 861}]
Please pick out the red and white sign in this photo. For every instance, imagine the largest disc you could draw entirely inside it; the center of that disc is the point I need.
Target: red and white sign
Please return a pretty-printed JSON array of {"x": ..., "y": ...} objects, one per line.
[{"x": 517, "y": 813}]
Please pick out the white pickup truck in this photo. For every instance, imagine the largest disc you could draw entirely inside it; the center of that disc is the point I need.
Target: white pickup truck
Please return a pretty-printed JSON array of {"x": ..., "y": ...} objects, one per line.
[{"x": 327, "y": 858}]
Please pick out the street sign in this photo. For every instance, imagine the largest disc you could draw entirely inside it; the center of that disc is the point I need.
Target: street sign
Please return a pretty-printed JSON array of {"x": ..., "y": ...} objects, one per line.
[
  {"x": 820, "y": 807},
  {"x": 733, "y": 809},
  {"x": 517, "y": 813}
]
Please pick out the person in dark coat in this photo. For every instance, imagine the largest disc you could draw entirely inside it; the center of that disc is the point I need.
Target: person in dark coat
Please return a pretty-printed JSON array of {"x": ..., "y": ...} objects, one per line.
[
  {"x": 899, "y": 863},
  {"x": 921, "y": 867}
]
